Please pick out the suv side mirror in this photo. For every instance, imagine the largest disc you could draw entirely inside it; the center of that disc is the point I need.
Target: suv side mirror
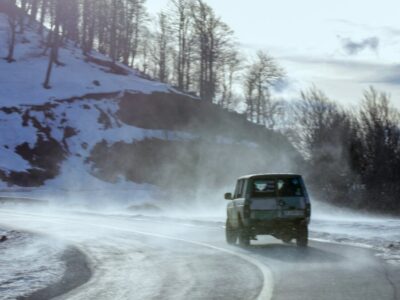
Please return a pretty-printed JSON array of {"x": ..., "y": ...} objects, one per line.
[{"x": 228, "y": 196}]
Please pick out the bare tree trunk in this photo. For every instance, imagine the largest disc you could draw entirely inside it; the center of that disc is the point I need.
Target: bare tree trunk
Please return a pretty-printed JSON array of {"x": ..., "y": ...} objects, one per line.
[
  {"x": 43, "y": 10},
  {"x": 22, "y": 13},
  {"x": 181, "y": 22},
  {"x": 34, "y": 11},
  {"x": 13, "y": 28},
  {"x": 54, "y": 46},
  {"x": 10, "y": 8},
  {"x": 113, "y": 32}
]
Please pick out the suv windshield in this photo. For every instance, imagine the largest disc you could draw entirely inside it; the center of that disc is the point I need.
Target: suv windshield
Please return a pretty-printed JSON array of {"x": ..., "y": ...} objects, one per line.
[{"x": 282, "y": 187}]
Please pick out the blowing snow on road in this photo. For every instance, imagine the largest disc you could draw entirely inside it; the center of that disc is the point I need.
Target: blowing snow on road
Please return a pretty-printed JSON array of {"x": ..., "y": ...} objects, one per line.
[{"x": 137, "y": 257}]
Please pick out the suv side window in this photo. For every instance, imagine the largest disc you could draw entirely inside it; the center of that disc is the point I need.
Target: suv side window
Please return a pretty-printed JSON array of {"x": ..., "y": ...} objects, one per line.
[{"x": 239, "y": 189}]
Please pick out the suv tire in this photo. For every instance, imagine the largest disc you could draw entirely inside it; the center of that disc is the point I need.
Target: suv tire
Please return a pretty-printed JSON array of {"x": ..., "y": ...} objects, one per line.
[
  {"x": 231, "y": 234},
  {"x": 244, "y": 236},
  {"x": 287, "y": 240},
  {"x": 302, "y": 236}
]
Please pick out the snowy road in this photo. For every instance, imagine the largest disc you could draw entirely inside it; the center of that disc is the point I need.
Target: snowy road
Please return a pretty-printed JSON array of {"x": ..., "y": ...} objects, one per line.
[{"x": 145, "y": 258}]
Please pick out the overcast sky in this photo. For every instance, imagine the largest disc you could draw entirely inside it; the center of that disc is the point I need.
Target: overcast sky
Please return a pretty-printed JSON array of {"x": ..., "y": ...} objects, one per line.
[{"x": 341, "y": 46}]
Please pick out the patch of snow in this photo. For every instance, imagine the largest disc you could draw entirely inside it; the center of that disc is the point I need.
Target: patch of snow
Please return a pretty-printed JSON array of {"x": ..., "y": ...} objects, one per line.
[
  {"x": 13, "y": 134},
  {"x": 382, "y": 234},
  {"x": 12, "y": 131},
  {"x": 9, "y": 160}
]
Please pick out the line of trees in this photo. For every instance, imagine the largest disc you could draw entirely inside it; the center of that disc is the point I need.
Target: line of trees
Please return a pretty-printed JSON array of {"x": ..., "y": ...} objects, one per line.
[
  {"x": 353, "y": 156},
  {"x": 259, "y": 78}
]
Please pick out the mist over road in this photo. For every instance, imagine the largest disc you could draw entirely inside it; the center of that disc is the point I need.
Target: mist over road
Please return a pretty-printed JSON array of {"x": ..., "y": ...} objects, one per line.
[{"x": 135, "y": 257}]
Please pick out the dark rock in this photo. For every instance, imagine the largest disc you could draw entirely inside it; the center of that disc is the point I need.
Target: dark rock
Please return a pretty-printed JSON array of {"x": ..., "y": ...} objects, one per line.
[
  {"x": 10, "y": 110},
  {"x": 103, "y": 118}
]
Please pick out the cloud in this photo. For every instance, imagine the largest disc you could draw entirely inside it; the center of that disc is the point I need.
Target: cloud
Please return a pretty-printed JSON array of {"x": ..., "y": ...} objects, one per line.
[
  {"x": 391, "y": 76},
  {"x": 353, "y": 48},
  {"x": 345, "y": 63},
  {"x": 393, "y": 31},
  {"x": 363, "y": 72}
]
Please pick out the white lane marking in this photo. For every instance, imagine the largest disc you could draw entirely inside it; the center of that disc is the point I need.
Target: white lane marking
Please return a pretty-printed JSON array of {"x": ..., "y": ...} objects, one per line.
[{"x": 266, "y": 290}]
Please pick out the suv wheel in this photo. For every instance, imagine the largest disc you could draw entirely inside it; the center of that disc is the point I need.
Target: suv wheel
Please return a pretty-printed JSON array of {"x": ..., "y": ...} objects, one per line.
[
  {"x": 231, "y": 234},
  {"x": 302, "y": 236},
  {"x": 244, "y": 236}
]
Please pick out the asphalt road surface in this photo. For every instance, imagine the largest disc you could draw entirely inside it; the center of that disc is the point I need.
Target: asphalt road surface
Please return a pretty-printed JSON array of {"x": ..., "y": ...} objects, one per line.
[{"x": 133, "y": 257}]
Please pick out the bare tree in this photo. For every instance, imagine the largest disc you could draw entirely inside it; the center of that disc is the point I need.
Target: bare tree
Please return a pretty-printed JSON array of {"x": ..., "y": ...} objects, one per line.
[
  {"x": 379, "y": 136},
  {"x": 181, "y": 22},
  {"x": 316, "y": 116},
  {"x": 43, "y": 11},
  {"x": 229, "y": 67},
  {"x": 21, "y": 15},
  {"x": 212, "y": 36},
  {"x": 34, "y": 7},
  {"x": 260, "y": 76},
  {"x": 10, "y": 8},
  {"x": 139, "y": 21},
  {"x": 54, "y": 41},
  {"x": 324, "y": 131},
  {"x": 69, "y": 22},
  {"x": 144, "y": 50},
  {"x": 161, "y": 47}
]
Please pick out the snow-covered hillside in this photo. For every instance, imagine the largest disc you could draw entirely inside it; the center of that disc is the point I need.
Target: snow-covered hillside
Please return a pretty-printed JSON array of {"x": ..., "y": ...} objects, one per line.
[
  {"x": 30, "y": 115},
  {"x": 105, "y": 127}
]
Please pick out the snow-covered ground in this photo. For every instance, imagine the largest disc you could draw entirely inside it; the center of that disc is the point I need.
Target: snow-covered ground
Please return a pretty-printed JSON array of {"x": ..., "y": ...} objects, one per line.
[
  {"x": 28, "y": 263},
  {"x": 382, "y": 234}
]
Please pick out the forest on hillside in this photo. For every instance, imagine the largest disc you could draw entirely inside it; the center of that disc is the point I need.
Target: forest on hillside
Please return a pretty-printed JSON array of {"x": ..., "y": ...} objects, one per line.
[
  {"x": 186, "y": 45},
  {"x": 352, "y": 154}
]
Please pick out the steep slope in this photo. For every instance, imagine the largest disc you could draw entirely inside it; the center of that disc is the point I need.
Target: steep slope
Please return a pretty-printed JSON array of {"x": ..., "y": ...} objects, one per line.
[{"x": 103, "y": 126}]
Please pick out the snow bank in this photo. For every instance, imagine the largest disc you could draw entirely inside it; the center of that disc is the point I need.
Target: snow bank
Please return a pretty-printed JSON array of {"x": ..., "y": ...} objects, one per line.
[{"x": 382, "y": 234}]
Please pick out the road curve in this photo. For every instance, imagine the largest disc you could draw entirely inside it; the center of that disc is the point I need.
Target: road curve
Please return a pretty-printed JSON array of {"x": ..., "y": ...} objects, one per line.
[{"x": 147, "y": 258}]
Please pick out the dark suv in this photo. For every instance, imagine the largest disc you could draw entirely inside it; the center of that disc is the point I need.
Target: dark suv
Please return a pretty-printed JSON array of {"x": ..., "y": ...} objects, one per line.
[{"x": 269, "y": 204}]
